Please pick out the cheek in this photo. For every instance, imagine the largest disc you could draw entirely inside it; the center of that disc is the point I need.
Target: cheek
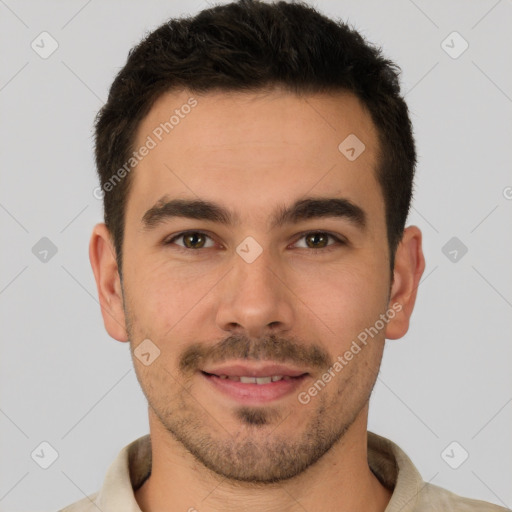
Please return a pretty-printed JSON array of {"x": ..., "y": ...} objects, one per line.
[
  {"x": 165, "y": 296},
  {"x": 344, "y": 301}
]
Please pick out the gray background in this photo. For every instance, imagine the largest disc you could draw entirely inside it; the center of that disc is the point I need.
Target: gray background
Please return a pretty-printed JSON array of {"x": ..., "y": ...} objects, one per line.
[{"x": 64, "y": 381}]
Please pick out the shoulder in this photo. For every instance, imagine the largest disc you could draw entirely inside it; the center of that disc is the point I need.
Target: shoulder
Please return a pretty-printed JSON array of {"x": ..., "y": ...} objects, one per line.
[
  {"x": 433, "y": 497},
  {"x": 87, "y": 504}
]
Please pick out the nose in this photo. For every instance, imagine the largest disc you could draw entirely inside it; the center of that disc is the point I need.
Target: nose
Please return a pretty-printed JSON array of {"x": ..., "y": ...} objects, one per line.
[{"x": 255, "y": 299}]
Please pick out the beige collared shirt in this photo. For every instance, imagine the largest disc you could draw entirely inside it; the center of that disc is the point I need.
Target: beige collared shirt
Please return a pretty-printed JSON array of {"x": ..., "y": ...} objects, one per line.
[{"x": 387, "y": 461}]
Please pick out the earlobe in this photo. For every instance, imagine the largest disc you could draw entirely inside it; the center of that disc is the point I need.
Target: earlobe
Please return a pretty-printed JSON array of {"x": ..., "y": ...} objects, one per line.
[
  {"x": 409, "y": 267},
  {"x": 104, "y": 265}
]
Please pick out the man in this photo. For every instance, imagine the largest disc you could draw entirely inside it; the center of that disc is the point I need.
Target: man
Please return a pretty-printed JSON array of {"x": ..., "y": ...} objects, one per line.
[{"x": 256, "y": 164}]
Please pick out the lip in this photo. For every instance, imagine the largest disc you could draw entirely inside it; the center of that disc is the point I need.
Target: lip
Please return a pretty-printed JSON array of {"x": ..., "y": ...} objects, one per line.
[
  {"x": 252, "y": 370},
  {"x": 253, "y": 394}
]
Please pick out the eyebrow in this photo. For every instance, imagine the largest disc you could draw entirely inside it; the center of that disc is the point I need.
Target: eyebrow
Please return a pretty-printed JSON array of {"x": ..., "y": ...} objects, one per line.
[{"x": 303, "y": 209}]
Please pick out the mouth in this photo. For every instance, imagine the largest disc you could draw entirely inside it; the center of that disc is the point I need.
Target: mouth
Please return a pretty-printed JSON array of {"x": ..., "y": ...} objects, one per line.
[
  {"x": 245, "y": 379},
  {"x": 255, "y": 385}
]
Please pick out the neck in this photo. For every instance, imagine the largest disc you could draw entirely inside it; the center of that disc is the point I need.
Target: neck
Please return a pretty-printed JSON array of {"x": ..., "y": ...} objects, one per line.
[{"x": 339, "y": 481}]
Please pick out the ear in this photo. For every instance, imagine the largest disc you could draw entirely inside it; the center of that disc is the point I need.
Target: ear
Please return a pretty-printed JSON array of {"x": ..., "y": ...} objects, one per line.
[
  {"x": 104, "y": 265},
  {"x": 409, "y": 267}
]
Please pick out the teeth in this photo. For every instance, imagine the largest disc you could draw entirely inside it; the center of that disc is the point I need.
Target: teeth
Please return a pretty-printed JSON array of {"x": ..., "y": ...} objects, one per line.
[
  {"x": 263, "y": 380},
  {"x": 255, "y": 380}
]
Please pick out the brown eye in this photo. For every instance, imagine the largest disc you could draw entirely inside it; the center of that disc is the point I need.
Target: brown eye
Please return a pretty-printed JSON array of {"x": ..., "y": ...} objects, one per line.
[
  {"x": 194, "y": 240},
  {"x": 190, "y": 240},
  {"x": 317, "y": 240},
  {"x": 321, "y": 241}
]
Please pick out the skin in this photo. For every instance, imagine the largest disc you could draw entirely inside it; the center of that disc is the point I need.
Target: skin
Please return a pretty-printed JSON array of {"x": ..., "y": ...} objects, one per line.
[{"x": 252, "y": 152}]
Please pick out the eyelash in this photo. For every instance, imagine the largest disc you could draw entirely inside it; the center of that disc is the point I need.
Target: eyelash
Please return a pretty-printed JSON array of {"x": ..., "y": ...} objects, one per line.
[{"x": 339, "y": 241}]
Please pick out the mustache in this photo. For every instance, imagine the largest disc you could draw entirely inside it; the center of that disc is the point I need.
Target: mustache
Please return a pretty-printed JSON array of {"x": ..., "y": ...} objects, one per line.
[{"x": 238, "y": 346}]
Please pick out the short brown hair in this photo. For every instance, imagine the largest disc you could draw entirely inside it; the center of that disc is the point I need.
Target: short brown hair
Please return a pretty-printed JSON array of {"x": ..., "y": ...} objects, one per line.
[{"x": 248, "y": 46}]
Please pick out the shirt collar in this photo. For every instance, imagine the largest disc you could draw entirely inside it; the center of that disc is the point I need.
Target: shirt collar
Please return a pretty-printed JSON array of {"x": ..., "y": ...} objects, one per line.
[
  {"x": 125, "y": 475},
  {"x": 132, "y": 466}
]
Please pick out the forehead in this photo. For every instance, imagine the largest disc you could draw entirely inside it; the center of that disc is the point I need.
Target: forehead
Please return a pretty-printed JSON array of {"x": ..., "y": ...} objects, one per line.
[{"x": 253, "y": 148}]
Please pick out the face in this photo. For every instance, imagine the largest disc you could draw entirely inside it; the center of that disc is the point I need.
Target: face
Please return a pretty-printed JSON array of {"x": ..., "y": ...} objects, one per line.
[{"x": 255, "y": 248}]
